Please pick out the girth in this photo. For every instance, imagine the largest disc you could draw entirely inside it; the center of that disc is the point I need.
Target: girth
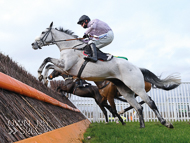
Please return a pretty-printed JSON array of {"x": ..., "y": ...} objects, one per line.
[
  {"x": 82, "y": 68},
  {"x": 87, "y": 51}
]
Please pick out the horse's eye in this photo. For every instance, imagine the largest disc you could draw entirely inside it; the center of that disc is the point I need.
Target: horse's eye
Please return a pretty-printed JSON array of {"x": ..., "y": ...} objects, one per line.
[{"x": 43, "y": 32}]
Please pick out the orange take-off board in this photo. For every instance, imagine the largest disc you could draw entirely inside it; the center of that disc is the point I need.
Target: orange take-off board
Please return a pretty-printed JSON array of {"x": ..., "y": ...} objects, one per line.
[{"x": 9, "y": 83}]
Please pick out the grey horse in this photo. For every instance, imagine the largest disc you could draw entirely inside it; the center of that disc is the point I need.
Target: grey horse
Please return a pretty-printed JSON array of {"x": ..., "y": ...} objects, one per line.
[{"x": 127, "y": 77}]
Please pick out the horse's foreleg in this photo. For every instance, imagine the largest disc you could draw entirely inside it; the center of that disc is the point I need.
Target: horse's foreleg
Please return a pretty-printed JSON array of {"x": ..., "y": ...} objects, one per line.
[
  {"x": 40, "y": 77},
  {"x": 103, "y": 110},
  {"x": 48, "y": 67},
  {"x": 56, "y": 62},
  {"x": 112, "y": 103},
  {"x": 105, "y": 104}
]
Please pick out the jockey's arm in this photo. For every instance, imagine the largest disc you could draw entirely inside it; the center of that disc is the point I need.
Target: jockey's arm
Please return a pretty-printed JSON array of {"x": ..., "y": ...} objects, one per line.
[{"x": 92, "y": 25}]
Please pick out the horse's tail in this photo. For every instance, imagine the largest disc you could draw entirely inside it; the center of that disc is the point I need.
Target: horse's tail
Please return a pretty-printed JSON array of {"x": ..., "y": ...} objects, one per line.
[{"x": 170, "y": 82}]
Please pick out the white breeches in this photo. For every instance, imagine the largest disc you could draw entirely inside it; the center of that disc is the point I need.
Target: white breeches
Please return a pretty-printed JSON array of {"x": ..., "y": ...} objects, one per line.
[{"x": 103, "y": 40}]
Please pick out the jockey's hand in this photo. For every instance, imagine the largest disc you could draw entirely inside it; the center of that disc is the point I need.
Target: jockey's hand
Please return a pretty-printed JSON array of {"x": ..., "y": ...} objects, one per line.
[{"x": 86, "y": 36}]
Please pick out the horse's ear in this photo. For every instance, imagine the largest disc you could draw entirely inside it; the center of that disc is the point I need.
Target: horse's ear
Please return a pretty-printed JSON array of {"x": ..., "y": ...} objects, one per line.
[{"x": 51, "y": 25}]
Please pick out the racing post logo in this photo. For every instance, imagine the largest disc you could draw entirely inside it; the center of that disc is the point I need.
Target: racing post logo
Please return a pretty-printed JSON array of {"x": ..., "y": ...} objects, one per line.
[{"x": 26, "y": 127}]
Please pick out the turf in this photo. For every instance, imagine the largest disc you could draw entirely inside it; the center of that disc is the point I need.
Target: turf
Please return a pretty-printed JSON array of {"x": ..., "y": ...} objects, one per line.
[{"x": 153, "y": 132}]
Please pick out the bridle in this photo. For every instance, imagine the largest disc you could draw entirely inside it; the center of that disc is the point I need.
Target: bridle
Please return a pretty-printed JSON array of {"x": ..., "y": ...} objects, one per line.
[{"x": 43, "y": 39}]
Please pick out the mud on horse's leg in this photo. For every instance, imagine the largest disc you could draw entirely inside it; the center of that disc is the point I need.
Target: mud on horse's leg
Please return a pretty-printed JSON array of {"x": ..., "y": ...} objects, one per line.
[
  {"x": 160, "y": 118},
  {"x": 153, "y": 106}
]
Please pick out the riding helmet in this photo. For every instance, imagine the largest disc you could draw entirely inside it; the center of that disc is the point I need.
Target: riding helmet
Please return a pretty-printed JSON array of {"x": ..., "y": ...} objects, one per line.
[{"x": 83, "y": 18}]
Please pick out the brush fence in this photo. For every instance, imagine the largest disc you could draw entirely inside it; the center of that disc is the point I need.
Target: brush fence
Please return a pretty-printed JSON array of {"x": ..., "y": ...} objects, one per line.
[{"x": 173, "y": 106}]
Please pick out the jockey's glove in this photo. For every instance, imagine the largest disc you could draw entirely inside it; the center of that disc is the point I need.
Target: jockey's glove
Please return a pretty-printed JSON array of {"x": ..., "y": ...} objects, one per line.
[{"x": 86, "y": 36}]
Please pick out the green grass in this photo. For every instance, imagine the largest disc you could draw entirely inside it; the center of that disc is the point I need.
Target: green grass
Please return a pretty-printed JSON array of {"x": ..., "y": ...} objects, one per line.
[{"x": 153, "y": 132}]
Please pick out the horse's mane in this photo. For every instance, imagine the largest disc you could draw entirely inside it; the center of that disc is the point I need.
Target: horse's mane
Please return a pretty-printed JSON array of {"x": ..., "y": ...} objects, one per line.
[{"x": 67, "y": 31}]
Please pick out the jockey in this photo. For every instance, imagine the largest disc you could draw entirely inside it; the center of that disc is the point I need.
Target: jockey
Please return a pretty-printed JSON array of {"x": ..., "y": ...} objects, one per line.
[{"x": 99, "y": 33}]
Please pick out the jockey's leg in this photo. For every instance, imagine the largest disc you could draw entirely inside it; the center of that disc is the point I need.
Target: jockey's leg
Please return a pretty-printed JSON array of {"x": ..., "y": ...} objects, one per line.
[{"x": 94, "y": 53}]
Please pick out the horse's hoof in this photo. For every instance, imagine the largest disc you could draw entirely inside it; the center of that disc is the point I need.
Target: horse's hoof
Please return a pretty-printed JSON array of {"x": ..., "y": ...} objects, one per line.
[
  {"x": 40, "y": 77},
  {"x": 116, "y": 120},
  {"x": 106, "y": 122},
  {"x": 89, "y": 137},
  {"x": 163, "y": 122},
  {"x": 123, "y": 124},
  {"x": 169, "y": 125}
]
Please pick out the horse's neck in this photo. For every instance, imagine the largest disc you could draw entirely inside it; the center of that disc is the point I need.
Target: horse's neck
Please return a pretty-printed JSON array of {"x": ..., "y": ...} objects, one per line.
[{"x": 57, "y": 35}]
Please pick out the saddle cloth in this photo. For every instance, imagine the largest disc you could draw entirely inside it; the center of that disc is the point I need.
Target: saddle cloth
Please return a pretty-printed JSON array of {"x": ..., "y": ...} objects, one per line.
[{"x": 100, "y": 55}]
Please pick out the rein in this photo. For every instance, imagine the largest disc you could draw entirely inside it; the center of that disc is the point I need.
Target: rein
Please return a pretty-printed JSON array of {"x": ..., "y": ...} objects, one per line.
[
  {"x": 43, "y": 39},
  {"x": 53, "y": 41},
  {"x": 69, "y": 39}
]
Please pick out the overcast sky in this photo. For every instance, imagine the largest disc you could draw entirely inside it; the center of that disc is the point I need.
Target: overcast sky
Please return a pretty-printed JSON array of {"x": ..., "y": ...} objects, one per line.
[{"x": 153, "y": 34}]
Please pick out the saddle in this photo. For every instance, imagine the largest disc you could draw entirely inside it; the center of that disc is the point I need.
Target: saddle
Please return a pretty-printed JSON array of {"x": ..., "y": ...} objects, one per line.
[{"x": 100, "y": 55}]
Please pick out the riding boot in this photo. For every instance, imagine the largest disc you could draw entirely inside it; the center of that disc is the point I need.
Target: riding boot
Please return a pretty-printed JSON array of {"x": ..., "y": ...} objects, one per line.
[{"x": 94, "y": 53}]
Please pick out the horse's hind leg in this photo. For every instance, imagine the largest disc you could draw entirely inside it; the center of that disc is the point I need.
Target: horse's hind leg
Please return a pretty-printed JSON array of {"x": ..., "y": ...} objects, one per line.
[
  {"x": 139, "y": 109},
  {"x": 129, "y": 95},
  {"x": 153, "y": 106}
]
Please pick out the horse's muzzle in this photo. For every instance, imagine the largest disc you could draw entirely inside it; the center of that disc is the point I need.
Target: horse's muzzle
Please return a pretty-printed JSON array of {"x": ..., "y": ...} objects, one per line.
[{"x": 35, "y": 46}]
